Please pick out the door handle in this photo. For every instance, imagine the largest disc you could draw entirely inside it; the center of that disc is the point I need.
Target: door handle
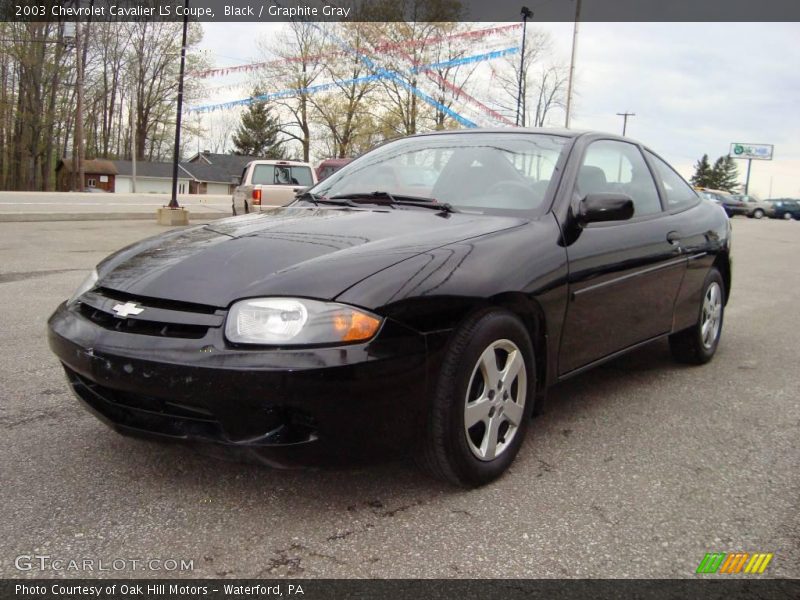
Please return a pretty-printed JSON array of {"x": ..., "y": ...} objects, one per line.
[{"x": 674, "y": 238}]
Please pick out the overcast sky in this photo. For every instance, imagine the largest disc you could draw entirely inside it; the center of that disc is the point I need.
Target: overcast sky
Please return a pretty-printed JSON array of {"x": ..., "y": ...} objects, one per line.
[{"x": 695, "y": 87}]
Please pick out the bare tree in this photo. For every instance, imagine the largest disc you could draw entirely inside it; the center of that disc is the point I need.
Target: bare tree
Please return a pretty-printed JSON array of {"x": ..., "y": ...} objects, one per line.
[
  {"x": 298, "y": 63},
  {"x": 543, "y": 82},
  {"x": 345, "y": 112}
]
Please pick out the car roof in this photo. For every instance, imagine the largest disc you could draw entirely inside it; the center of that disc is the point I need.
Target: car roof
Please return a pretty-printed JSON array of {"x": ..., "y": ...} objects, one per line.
[
  {"x": 555, "y": 131},
  {"x": 290, "y": 163}
]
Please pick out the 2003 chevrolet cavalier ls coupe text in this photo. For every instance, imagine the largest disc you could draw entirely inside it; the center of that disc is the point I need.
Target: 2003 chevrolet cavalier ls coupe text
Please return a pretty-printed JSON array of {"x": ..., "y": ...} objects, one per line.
[{"x": 421, "y": 299}]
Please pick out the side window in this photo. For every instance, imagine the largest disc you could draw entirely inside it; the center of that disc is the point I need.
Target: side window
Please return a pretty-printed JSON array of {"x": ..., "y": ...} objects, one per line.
[
  {"x": 618, "y": 167},
  {"x": 679, "y": 193}
]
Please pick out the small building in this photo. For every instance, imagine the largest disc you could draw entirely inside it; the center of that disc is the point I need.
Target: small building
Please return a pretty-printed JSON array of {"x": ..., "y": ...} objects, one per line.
[
  {"x": 98, "y": 174},
  {"x": 203, "y": 173},
  {"x": 216, "y": 173},
  {"x": 151, "y": 177}
]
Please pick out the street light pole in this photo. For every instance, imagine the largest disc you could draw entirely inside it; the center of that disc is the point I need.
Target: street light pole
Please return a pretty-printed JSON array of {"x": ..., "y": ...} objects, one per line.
[
  {"x": 625, "y": 116},
  {"x": 173, "y": 203},
  {"x": 526, "y": 14}
]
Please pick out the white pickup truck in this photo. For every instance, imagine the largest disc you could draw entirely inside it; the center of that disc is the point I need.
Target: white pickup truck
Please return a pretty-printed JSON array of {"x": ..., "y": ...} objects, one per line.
[{"x": 270, "y": 183}]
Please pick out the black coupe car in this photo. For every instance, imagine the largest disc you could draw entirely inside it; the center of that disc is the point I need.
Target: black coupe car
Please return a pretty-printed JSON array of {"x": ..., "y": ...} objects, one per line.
[{"x": 424, "y": 315}]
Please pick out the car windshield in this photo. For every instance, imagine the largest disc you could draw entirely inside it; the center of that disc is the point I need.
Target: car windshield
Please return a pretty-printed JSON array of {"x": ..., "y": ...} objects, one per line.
[{"x": 479, "y": 171}]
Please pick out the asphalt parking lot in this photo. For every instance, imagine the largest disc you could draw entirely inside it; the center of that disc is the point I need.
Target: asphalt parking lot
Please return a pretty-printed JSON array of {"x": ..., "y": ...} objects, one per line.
[{"x": 637, "y": 470}]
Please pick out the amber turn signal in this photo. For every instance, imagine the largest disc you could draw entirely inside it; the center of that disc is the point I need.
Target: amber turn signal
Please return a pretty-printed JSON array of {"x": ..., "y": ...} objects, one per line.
[{"x": 354, "y": 326}]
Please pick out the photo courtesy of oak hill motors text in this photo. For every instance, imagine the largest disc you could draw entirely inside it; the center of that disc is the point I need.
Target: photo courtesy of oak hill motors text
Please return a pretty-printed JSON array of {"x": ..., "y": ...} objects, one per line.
[
  {"x": 145, "y": 590},
  {"x": 399, "y": 299}
]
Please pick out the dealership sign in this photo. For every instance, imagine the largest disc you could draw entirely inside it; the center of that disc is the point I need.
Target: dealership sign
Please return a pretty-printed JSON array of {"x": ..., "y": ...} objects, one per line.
[{"x": 753, "y": 151}]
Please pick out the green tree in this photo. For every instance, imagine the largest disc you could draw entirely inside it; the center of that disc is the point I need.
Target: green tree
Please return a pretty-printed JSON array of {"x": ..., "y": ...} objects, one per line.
[
  {"x": 258, "y": 133},
  {"x": 725, "y": 174},
  {"x": 702, "y": 173}
]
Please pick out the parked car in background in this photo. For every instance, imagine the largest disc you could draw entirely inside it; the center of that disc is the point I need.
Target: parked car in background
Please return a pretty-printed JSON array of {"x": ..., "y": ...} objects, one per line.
[
  {"x": 731, "y": 205},
  {"x": 329, "y": 166},
  {"x": 270, "y": 183},
  {"x": 365, "y": 319},
  {"x": 755, "y": 208},
  {"x": 784, "y": 208}
]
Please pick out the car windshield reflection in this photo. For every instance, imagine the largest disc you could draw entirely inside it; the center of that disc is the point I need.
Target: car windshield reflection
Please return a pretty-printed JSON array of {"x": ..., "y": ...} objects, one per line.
[{"x": 482, "y": 171}]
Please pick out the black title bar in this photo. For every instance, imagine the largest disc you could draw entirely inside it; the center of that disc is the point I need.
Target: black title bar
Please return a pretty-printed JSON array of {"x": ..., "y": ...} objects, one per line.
[
  {"x": 708, "y": 588},
  {"x": 408, "y": 10}
]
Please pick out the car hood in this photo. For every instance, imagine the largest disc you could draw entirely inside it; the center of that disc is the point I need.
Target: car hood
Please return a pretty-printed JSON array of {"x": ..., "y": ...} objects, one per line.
[{"x": 307, "y": 252}]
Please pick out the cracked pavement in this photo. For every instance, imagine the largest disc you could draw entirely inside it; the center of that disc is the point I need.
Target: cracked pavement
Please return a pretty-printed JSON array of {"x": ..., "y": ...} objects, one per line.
[{"x": 637, "y": 469}]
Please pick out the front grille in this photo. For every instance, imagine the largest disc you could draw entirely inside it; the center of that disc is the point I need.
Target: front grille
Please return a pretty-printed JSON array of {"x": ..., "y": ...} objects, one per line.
[
  {"x": 158, "y": 317},
  {"x": 110, "y": 321},
  {"x": 191, "y": 307}
]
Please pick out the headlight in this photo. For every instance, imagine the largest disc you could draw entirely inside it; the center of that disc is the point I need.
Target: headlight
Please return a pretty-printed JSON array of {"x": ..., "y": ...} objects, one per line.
[
  {"x": 296, "y": 321},
  {"x": 87, "y": 284}
]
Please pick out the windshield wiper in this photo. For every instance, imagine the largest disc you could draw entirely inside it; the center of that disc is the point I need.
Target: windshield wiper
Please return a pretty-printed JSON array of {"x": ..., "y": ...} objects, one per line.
[
  {"x": 317, "y": 199},
  {"x": 395, "y": 200}
]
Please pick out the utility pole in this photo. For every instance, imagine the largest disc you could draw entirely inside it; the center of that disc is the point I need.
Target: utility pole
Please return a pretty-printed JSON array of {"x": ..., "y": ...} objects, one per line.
[
  {"x": 570, "y": 81},
  {"x": 625, "y": 116},
  {"x": 747, "y": 178},
  {"x": 77, "y": 159},
  {"x": 520, "y": 119},
  {"x": 133, "y": 137}
]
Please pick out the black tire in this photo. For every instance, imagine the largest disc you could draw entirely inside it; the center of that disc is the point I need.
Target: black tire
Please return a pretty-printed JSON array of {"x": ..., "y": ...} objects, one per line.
[
  {"x": 758, "y": 213},
  {"x": 446, "y": 453},
  {"x": 688, "y": 346}
]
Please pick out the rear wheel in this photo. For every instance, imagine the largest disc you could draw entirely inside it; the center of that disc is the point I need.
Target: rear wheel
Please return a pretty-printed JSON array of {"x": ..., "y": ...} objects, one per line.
[
  {"x": 483, "y": 400},
  {"x": 758, "y": 213},
  {"x": 697, "y": 344}
]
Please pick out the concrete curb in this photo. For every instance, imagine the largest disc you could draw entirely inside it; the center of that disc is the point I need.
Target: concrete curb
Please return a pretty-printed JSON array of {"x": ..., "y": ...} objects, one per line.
[{"x": 107, "y": 216}]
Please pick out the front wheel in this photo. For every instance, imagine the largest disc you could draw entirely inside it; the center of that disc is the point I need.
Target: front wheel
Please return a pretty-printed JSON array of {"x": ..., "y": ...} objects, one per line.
[
  {"x": 698, "y": 344},
  {"x": 483, "y": 400},
  {"x": 787, "y": 216}
]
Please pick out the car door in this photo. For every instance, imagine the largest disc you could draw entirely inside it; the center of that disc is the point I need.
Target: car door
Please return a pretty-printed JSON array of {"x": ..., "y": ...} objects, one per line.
[{"x": 623, "y": 275}]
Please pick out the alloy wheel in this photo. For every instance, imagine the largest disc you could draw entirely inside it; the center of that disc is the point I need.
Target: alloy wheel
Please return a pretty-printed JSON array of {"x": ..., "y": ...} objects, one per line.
[
  {"x": 495, "y": 401},
  {"x": 712, "y": 315}
]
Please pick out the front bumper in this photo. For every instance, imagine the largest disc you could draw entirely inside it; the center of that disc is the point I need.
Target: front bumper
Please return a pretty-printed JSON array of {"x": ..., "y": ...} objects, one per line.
[{"x": 284, "y": 406}]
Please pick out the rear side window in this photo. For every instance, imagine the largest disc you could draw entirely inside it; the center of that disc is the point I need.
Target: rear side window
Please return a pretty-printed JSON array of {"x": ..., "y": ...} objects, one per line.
[
  {"x": 679, "y": 193},
  {"x": 281, "y": 175}
]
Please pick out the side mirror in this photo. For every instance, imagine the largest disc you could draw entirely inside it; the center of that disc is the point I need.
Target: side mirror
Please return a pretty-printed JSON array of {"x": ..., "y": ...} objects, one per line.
[
  {"x": 299, "y": 190},
  {"x": 599, "y": 208},
  {"x": 236, "y": 180}
]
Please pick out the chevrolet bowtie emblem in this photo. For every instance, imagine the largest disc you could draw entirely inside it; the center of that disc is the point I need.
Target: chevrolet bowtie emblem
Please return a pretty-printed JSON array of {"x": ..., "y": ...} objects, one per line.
[{"x": 129, "y": 308}]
